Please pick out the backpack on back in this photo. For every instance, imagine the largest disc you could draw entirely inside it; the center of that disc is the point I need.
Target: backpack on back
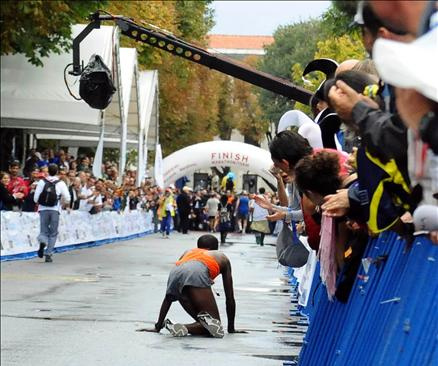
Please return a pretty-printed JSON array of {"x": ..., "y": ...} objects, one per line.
[
  {"x": 224, "y": 215},
  {"x": 224, "y": 219},
  {"x": 48, "y": 196}
]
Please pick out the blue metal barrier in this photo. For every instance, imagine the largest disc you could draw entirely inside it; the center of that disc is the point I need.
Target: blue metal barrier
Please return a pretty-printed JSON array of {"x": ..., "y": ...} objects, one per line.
[{"x": 391, "y": 317}]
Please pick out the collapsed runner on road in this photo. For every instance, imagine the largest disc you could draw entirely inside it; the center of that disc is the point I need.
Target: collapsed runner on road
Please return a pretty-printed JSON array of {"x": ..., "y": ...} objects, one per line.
[{"x": 190, "y": 283}]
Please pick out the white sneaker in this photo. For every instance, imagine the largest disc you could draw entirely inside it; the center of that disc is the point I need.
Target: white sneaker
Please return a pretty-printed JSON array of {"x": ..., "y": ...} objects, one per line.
[
  {"x": 213, "y": 325},
  {"x": 177, "y": 330}
]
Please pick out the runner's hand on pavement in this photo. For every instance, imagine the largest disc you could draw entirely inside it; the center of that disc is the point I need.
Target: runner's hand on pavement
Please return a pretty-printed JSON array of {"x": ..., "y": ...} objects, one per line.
[
  {"x": 232, "y": 330},
  {"x": 150, "y": 330},
  {"x": 155, "y": 329}
]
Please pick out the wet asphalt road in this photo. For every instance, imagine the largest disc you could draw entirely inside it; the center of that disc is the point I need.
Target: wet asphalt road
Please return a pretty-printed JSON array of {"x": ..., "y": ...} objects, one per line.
[{"x": 85, "y": 307}]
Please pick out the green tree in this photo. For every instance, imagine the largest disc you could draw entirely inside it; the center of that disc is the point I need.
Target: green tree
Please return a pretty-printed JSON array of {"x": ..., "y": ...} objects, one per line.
[
  {"x": 189, "y": 93},
  {"x": 339, "y": 49},
  {"x": 36, "y": 28},
  {"x": 293, "y": 44},
  {"x": 248, "y": 115},
  {"x": 339, "y": 16},
  {"x": 227, "y": 109}
]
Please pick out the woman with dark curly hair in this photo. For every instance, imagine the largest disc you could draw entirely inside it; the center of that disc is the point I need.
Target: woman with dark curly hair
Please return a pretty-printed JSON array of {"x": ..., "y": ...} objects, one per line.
[
  {"x": 321, "y": 174},
  {"x": 317, "y": 176}
]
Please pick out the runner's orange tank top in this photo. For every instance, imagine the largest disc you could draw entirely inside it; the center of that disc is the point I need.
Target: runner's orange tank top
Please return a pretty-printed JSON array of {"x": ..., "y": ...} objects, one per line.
[{"x": 200, "y": 255}]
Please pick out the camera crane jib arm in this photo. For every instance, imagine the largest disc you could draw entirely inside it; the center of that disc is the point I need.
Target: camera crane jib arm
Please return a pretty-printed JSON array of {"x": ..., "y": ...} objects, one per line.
[{"x": 171, "y": 44}]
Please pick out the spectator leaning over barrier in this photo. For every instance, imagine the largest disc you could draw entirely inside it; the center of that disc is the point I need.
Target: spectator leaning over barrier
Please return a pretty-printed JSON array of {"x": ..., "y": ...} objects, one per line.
[
  {"x": 289, "y": 206},
  {"x": 75, "y": 190},
  {"x": 71, "y": 175},
  {"x": 383, "y": 153},
  {"x": 16, "y": 183},
  {"x": 8, "y": 200},
  {"x": 87, "y": 192},
  {"x": 29, "y": 204},
  {"x": 384, "y": 144},
  {"x": 287, "y": 149},
  {"x": 133, "y": 200},
  {"x": 117, "y": 202},
  {"x": 401, "y": 14},
  {"x": 62, "y": 173},
  {"x": 96, "y": 200},
  {"x": 317, "y": 176},
  {"x": 51, "y": 194},
  {"x": 412, "y": 69}
]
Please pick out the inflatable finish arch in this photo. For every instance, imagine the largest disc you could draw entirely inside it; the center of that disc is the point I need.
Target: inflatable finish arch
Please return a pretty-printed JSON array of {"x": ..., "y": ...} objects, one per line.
[{"x": 236, "y": 155}]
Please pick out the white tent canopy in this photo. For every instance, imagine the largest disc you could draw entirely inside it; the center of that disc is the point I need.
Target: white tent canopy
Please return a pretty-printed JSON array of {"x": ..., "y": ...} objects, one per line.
[
  {"x": 148, "y": 109},
  {"x": 36, "y": 98},
  {"x": 128, "y": 86},
  {"x": 148, "y": 91}
]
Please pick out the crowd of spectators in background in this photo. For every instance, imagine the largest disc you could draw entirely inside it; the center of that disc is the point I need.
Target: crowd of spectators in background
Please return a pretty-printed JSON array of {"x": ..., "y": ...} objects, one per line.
[{"x": 184, "y": 209}]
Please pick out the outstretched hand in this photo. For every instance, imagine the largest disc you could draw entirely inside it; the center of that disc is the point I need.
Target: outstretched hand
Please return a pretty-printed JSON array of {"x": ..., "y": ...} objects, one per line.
[
  {"x": 276, "y": 216},
  {"x": 263, "y": 202}
]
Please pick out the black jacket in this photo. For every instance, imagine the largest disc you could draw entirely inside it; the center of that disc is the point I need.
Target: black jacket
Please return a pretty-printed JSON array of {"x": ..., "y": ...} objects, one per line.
[
  {"x": 7, "y": 200},
  {"x": 74, "y": 204},
  {"x": 382, "y": 166},
  {"x": 183, "y": 203},
  {"x": 383, "y": 134}
]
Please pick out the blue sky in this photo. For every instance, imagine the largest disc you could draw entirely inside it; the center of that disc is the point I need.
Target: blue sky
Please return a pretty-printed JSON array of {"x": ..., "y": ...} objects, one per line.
[{"x": 262, "y": 17}]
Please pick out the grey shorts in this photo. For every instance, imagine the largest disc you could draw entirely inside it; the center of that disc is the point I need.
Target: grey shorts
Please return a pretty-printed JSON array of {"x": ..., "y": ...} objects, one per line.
[{"x": 192, "y": 273}]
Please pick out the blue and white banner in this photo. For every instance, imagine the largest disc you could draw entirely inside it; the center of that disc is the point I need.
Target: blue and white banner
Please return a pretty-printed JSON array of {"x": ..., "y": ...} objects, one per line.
[{"x": 19, "y": 231}]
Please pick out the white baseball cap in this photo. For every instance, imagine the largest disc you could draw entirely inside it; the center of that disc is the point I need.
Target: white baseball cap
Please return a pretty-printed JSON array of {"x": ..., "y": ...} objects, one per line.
[{"x": 410, "y": 65}]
